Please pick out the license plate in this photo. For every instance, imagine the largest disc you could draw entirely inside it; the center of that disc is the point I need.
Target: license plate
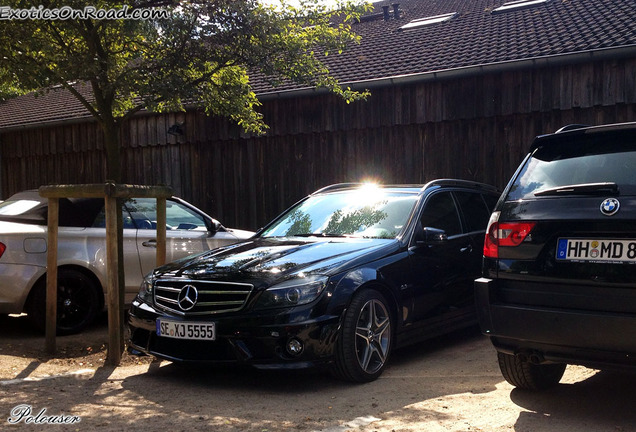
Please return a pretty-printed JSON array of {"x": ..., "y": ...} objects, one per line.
[
  {"x": 186, "y": 330},
  {"x": 596, "y": 250}
]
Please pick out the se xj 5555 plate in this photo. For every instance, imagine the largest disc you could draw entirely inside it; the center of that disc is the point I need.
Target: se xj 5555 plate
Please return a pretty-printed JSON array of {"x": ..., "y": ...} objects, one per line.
[
  {"x": 186, "y": 330},
  {"x": 597, "y": 250}
]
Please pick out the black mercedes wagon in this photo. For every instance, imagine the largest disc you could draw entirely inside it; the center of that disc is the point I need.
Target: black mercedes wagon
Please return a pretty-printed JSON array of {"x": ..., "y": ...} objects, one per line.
[
  {"x": 338, "y": 280},
  {"x": 559, "y": 276}
]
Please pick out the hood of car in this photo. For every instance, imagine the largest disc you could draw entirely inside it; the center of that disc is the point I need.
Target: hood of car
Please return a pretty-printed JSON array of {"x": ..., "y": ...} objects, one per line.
[
  {"x": 273, "y": 259},
  {"x": 240, "y": 234}
]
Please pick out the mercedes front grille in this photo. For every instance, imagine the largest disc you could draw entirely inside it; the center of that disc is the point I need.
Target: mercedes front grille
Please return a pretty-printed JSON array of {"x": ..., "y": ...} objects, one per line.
[{"x": 195, "y": 297}]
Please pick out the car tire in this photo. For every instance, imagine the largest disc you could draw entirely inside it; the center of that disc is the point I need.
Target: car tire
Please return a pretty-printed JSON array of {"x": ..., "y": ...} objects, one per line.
[
  {"x": 529, "y": 376},
  {"x": 78, "y": 302},
  {"x": 365, "y": 339}
]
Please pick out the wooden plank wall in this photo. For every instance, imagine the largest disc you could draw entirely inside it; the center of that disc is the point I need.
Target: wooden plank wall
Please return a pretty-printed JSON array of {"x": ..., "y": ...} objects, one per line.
[{"x": 476, "y": 128}]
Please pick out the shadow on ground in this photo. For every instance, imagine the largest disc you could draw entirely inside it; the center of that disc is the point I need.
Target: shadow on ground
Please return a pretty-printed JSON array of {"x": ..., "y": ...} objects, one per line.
[{"x": 603, "y": 402}]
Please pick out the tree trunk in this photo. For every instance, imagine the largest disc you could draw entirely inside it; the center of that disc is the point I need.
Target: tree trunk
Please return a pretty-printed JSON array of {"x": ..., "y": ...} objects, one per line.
[
  {"x": 114, "y": 173},
  {"x": 113, "y": 150}
]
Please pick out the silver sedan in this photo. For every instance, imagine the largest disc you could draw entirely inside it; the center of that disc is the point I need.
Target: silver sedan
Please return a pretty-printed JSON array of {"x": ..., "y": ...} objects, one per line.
[{"x": 82, "y": 252}]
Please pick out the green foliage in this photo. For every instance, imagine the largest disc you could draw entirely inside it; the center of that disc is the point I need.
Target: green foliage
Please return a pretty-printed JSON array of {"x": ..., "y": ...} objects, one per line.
[
  {"x": 301, "y": 223},
  {"x": 342, "y": 223},
  {"x": 8, "y": 88},
  {"x": 203, "y": 53}
]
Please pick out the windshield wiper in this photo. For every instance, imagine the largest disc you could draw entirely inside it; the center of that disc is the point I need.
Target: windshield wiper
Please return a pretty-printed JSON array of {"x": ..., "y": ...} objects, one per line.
[
  {"x": 320, "y": 235},
  {"x": 581, "y": 189}
]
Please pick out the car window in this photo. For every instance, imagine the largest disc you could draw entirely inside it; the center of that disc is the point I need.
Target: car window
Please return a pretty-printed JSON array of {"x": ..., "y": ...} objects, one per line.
[
  {"x": 588, "y": 160},
  {"x": 369, "y": 212},
  {"x": 178, "y": 217},
  {"x": 440, "y": 212},
  {"x": 474, "y": 209},
  {"x": 28, "y": 207},
  {"x": 491, "y": 202},
  {"x": 18, "y": 207},
  {"x": 100, "y": 220}
]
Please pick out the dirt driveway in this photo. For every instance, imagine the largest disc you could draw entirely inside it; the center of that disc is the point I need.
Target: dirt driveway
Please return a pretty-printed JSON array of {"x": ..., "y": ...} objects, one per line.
[{"x": 449, "y": 384}]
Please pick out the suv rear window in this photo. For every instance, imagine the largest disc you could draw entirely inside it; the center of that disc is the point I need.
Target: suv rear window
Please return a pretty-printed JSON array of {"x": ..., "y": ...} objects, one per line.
[{"x": 582, "y": 160}]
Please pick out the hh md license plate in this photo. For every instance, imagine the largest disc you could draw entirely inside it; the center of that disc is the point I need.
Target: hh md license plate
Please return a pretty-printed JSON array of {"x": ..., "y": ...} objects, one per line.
[
  {"x": 186, "y": 330},
  {"x": 597, "y": 250}
]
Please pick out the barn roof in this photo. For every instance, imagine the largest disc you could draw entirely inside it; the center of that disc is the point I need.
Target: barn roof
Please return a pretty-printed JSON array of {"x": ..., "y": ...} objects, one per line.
[
  {"x": 477, "y": 33},
  {"x": 463, "y": 36},
  {"x": 41, "y": 108}
]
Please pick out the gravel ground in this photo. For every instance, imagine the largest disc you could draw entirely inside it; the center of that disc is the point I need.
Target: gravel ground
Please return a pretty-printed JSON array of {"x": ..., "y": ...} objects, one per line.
[{"x": 448, "y": 384}]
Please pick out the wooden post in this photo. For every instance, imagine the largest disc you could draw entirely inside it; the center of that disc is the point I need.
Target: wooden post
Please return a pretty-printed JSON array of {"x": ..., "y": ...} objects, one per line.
[
  {"x": 112, "y": 282},
  {"x": 51, "y": 275}
]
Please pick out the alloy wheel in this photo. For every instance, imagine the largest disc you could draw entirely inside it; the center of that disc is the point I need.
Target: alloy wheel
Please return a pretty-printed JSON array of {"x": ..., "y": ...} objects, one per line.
[{"x": 373, "y": 336}]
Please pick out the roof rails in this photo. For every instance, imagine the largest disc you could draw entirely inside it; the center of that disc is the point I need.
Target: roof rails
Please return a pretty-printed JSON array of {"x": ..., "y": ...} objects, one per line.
[
  {"x": 337, "y": 186},
  {"x": 460, "y": 183},
  {"x": 571, "y": 127},
  {"x": 432, "y": 183},
  {"x": 577, "y": 130}
]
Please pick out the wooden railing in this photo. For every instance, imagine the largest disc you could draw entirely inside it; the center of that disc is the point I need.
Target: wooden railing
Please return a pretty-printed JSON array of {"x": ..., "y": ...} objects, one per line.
[{"x": 113, "y": 195}]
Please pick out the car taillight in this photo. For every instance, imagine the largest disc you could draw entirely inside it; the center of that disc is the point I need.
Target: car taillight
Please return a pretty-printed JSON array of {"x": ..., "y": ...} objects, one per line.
[
  {"x": 504, "y": 234},
  {"x": 2, "y": 249}
]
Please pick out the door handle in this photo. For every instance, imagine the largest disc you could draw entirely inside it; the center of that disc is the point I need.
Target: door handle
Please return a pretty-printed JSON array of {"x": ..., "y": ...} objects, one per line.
[
  {"x": 150, "y": 243},
  {"x": 467, "y": 249}
]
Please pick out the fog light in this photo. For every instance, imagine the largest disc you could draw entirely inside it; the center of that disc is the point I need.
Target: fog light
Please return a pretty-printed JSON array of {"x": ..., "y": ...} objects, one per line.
[{"x": 294, "y": 347}]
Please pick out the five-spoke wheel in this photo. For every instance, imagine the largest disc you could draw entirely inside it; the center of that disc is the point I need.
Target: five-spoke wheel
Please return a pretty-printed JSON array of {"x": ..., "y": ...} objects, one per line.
[{"x": 366, "y": 338}]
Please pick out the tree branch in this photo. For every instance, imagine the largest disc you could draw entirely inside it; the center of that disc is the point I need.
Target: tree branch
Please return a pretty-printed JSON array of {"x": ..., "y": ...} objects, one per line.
[{"x": 83, "y": 101}]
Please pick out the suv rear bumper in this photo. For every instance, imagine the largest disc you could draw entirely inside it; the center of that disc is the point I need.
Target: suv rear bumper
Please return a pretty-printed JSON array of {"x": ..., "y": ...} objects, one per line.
[{"x": 589, "y": 338}]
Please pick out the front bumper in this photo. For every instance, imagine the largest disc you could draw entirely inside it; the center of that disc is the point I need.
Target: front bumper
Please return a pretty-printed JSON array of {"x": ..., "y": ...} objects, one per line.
[
  {"x": 575, "y": 336},
  {"x": 259, "y": 340}
]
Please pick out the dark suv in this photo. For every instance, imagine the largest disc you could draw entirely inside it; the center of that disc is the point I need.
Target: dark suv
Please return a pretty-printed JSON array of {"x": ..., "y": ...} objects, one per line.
[
  {"x": 338, "y": 280},
  {"x": 559, "y": 273}
]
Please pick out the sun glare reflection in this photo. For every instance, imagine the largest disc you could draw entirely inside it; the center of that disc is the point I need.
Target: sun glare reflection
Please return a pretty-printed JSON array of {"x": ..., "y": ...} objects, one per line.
[{"x": 367, "y": 194}]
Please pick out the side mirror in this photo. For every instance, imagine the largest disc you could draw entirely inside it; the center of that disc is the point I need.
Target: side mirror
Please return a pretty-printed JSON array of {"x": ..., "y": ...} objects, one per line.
[
  {"x": 213, "y": 227},
  {"x": 434, "y": 235},
  {"x": 428, "y": 236}
]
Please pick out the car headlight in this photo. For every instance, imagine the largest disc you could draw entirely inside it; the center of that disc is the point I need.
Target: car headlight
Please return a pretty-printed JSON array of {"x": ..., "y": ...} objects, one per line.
[
  {"x": 293, "y": 292},
  {"x": 145, "y": 290}
]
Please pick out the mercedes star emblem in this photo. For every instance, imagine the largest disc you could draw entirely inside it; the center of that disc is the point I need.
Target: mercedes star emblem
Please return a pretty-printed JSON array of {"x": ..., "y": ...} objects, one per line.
[{"x": 187, "y": 297}]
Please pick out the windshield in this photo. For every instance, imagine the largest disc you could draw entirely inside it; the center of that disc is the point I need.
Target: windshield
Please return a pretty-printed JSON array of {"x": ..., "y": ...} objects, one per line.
[
  {"x": 14, "y": 208},
  {"x": 589, "y": 164},
  {"x": 364, "y": 212}
]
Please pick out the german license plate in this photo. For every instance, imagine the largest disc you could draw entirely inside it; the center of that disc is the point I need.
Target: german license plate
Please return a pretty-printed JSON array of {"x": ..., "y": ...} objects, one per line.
[
  {"x": 597, "y": 250},
  {"x": 186, "y": 329}
]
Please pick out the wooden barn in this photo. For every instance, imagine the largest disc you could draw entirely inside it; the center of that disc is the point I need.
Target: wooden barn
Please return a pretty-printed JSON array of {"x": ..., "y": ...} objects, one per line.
[{"x": 459, "y": 89}]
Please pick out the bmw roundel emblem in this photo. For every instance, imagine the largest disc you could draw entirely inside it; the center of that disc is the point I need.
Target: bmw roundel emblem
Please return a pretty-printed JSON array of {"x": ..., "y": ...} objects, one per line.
[
  {"x": 610, "y": 206},
  {"x": 188, "y": 297}
]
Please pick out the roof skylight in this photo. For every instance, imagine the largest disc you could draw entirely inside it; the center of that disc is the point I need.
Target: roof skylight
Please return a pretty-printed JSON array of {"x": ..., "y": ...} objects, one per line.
[
  {"x": 428, "y": 21},
  {"x": 518, "y": 4}
]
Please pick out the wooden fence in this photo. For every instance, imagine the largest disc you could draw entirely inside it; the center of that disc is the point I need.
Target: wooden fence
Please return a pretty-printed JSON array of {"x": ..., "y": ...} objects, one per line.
[{"x": 477, "y": 127}]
